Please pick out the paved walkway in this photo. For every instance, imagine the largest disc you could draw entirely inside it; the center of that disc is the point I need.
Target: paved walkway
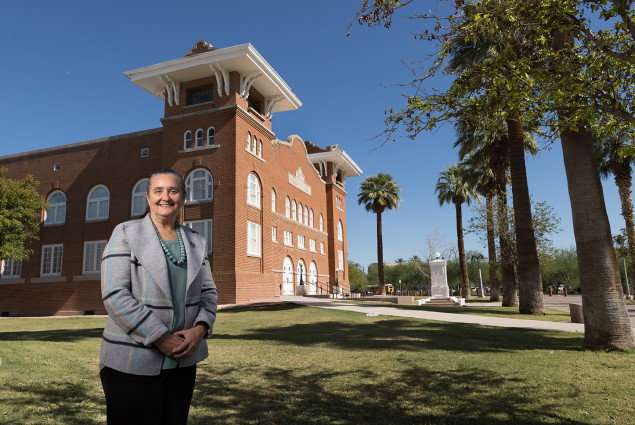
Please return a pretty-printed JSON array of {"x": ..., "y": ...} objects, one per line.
[{"x": 558, "y": 301}]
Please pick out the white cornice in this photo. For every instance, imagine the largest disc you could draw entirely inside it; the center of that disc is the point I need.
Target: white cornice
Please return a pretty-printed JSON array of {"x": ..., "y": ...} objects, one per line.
[
  {"x": 242, "y": 58},
  {"x": 340, "y": 159}
]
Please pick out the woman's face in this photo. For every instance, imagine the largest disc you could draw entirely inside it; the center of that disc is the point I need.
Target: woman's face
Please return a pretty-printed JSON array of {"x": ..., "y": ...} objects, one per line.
[{"x": 165, "y": 198}]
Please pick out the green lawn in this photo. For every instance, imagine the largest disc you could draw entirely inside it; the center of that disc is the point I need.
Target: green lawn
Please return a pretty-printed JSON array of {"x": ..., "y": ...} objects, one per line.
[{"x": 288, "y": 364}]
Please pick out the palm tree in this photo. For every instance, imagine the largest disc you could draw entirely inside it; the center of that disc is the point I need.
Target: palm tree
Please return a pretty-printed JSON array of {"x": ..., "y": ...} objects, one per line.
[
  {"x": 486, "y": 186},
  {"x": 400, "y": 261},
  {"x": 529, "y": 277},
  {"x": 491, "y": 151},
  {"x": 606, "y": 322},
  {"x": 455, "y": 187},
  {"x": 377, "y": 194},
  {"x": 611, "y": 161},
  {"x": 466, "y": 53}
]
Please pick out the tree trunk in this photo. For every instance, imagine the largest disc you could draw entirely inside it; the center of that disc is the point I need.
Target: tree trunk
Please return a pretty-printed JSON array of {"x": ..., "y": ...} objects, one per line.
[
  {"x": 381, "y": 287},
  {"x": 529, "y": 278},
  {"x": 499, "y": 162},
  {"x": 491, "y": 251},
  {"x": 606, "y": 322},
  {"x": 623, "y": 183},
  {"x": 465, "y": 280}
]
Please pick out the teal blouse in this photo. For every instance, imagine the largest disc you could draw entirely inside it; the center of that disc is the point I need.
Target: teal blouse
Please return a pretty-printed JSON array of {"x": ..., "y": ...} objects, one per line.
[{"x": 178, "y": 280}]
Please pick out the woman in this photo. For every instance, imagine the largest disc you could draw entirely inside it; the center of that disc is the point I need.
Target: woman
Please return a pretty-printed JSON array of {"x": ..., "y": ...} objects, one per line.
[{"x": 158, "y": 290}]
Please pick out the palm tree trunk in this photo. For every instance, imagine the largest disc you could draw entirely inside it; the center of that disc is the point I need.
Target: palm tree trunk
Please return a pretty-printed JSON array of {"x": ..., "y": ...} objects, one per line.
[
  {"x": 623, "y": 183},
  {"x": 606, "y": 322},
  {"x": 465, "y": 280},
  {"x": 381, "y": 288},
  {"x": 529, "y": 278},
  {"x": 491, "y": 250}
]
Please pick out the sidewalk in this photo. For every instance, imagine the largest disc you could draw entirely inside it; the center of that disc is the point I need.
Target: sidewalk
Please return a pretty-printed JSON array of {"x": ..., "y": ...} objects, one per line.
[{"x": 433, "y": 315}]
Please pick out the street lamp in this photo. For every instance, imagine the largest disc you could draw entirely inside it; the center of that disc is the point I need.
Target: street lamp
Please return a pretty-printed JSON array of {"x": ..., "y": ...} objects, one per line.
[{"x": 480, "y": 293}]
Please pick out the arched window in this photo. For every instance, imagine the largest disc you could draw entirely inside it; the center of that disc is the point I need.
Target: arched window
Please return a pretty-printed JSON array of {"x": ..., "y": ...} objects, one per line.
[
  {"x": 57, "y": 211},
  {"x": 187, "y": 140},
  {"x": 211, "y": 134},
  {"x": 253, "y": 190},
  {"x": 287, "y": 207},
  {"x": 259, "y": 147},
  {"x": 300, "y": 212},
  {"x": 98, "y": 203},
  {"x": 340, "y": 232},
  {"x": 294, "y": 209},
  {"x": 306, "y": 215},
  {"x": 273, "y": 200},
  {"x": 199, "y": 186},
  {"x": 248, "y": 140},
  {"x": 311, "y": 217},
  {"x": 254, "y": 142},
  {"x": 199, "y": 138},
  {"x": 321, "y": 223},
  {"x": 139, "y": 200}
]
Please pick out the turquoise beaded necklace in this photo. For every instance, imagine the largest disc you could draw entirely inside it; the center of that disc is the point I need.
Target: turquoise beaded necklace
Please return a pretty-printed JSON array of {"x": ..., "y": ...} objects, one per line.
[{"x": 166, "y": 250}]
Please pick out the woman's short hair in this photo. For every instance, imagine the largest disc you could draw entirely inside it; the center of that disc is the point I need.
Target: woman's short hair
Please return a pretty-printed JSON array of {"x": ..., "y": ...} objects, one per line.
[{"x": 170, "y": 172}]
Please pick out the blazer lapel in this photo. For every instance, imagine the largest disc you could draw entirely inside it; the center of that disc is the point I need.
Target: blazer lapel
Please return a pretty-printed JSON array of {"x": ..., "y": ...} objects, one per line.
[
  {"x": 147, "y": 248},
  {"x": 195, "y": 250}
]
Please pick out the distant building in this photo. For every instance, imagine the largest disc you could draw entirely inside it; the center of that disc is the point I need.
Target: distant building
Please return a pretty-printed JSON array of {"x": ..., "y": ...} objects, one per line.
[{"x": 273, "y": 211}]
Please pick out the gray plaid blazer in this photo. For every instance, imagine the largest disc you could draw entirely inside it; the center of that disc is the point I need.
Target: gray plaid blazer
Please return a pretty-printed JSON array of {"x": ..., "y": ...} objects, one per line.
[{"x": 136, "y": 293}]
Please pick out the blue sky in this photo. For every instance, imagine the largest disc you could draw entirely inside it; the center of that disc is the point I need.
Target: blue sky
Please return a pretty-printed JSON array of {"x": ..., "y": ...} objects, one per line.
[{"x": 63, "y": 82}]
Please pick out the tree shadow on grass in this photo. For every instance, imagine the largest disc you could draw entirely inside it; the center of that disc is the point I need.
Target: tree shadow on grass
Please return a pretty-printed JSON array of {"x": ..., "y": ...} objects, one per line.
[
  {"x": 53, "y": 335},
  {"x": 394, "y": 334},
  {"x": 52, "y": 402},
  {"x": 417, "y": 395}
]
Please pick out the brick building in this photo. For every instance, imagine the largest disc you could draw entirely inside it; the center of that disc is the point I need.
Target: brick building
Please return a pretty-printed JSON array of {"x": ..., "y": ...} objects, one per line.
[{"x": 273, "y": 211}]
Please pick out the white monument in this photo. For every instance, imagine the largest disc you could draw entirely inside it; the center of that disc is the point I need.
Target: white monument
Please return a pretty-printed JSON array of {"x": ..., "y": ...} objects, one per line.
[{"x": 440, "y": 291}]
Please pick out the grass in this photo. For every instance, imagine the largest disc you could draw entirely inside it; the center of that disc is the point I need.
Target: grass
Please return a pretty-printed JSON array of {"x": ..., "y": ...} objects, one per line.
[{"x": 288, "y": 364}]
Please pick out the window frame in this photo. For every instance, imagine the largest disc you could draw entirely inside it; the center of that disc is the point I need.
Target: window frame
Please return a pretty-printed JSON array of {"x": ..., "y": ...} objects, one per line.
[
  {"x": 288, "y": 238},
  {"x": 199, "y": 141},
  {"x": 137, "y": 195},
  {"x": 301, "y": 242},
  {"x": 254, "y": 229},
  {"x": 211, "y": 139},
  {"x": 96, "y": 259},
  {"x": 340, "y": 231},
  {"x": 253, "y": 190},
  {"x": 50, "y": 272},
  {"x": 287, "y": 207},
  {"x": 10, "y": 264},
  {"x": 274, "y": 234},
  {"x": 209, "y": 186},
  {"x": 187, "y": 140},
  {"x": 98, "y": 201},
  {"x": 208, "y": 232},
  {"x": 273, "y": 200},
  {"x": 55, "y": 207}
]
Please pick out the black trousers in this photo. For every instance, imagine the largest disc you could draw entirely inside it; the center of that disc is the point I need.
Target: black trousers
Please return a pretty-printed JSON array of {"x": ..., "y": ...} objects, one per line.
[{"x": 162, "y": 399}]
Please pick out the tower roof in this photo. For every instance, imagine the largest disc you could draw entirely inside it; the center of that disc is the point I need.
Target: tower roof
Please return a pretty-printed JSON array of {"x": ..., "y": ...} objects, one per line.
[{"x": 204, "y": 60}]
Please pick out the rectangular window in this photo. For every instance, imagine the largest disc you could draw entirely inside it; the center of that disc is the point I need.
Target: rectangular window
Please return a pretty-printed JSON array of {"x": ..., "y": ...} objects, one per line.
[
  {"x": 300, "y": 242},
  {"x": 253, "y": 239},
  {"x": 203, "y": 228},
  {"x": 11, "y": 269},
  {"x": 51, "y": 260},
  {"x": 340, "y": 259},
  {"x": 145, "y": 152},
  {"x": 274, "y": 233},
  {"x": 312, "y": 245},
  {"x": 322, "y": 248},
  {"x": 200, "y": 94},
  {"x": 92, "y": 256},
  {"x": 288, "y": 238}
]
